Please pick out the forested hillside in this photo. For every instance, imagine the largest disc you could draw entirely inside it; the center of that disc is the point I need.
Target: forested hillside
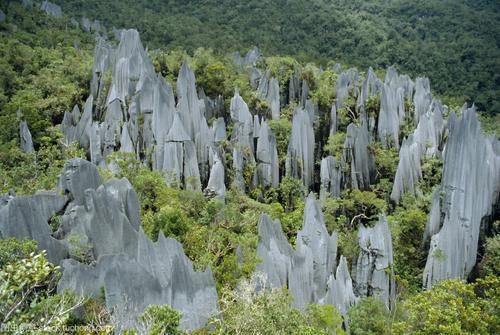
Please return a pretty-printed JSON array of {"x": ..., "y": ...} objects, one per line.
[
  {"x": 454, "y": 43},
  {"x": 152, "y": 182}
]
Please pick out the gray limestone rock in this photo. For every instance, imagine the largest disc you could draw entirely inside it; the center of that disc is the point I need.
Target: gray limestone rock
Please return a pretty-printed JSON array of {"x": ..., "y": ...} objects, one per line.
[
  {"x": 25, "y": 136},
  {"x": 300, "y": 155},
  {"x": 239, "y": 109},
  {"x": 219, "y": 129},
  {"x": 51, "y": 8},
  {"x": 267, "y": 172},
  {"x": 273, "y": 98},
  {"x": 374, "y": 268},
  {"x": 340, "y": 291},
  {"x": 188, "y": 103},
  {"x": 330, "y": 178},
  {"x": 180, "y": 161},
  {"x": 430, "y": 130},
  {"x": 27, "y": 217},
  {"x": 163, "y": 117},
  {"x": 422, "y": 99},
  {"x": 294, "y": 88},
  {"x": 357, "y": 156},
  {"x": 216, "y": 182},
  {"x": 471, "y": 185},
  {"x": 306, "y": 270},
  {"x": 409, "y": 171},
  {"x": 86, "y": 24},
  {"x": 133, "y": 271},
  {"x": 95, "y": 144},
  {"x": 126, "y": 144},
  {"x": 69, "y": 123},
  {"x": 78, "y": 176},
  {"x": 333, "y": 120},
  {"x": 84, "y": 126},
  {"x": 391, "y": 102},
  {"x": 371, "y": 87}
]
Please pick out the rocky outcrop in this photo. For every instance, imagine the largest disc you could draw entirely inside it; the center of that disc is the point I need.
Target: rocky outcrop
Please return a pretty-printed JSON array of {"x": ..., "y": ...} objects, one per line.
[
  {"x": 470, "y": 184},
  {"x": 100, "y": 230},
  {"x": 309, "y": 270},
  {"x": 330, "y": 178},
  {"x": 409, "y": 171},
  {"x": 26, "y": 139},
  {"x": 267, "y": 171},
  {"x": 374, "y": 268},
  {"x": 357, "y": 158},
  {"x": 51, "y": 9},
  {"x": 300, "y": 154},
  {"x": 216, "y": 184},
  {"x": 27, "y": 217}
]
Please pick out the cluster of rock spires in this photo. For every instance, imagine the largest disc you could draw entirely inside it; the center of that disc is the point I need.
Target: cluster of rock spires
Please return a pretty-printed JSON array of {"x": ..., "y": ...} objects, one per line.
[
  {"x": 469, "y": 188},
  {"x": 185, "y": 135},
  {"x": 310, "y": 271},
  {"x": 100, "y": 225}
]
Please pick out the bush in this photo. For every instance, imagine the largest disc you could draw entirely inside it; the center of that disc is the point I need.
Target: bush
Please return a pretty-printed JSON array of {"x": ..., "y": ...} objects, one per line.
[
  {"x": 160, "y": 320},
  {"x": 490, "y": 264},
  {"x": 12, "y": 249},
  {"x": 369, "y": 317},
  {"x": 451, "y": 307}
]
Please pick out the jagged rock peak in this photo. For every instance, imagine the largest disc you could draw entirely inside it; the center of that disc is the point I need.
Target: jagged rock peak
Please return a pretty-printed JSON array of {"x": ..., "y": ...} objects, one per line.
[
  {"x": 51, "y": 9},
  {"x": 300, "y": 154},
  {"x": 267, "y": 172},
  {"x": 409, "y": 171},
  {"x": 26, "y": 139},
  {"x": 374, "y": 268},
  {"x": 471, "y": 185},
  {"x": 100, "y": 232}
]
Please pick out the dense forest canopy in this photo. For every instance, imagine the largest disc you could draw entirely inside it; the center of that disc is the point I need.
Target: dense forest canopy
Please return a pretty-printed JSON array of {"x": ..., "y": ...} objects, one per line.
[{"x": 454, "y": 43}]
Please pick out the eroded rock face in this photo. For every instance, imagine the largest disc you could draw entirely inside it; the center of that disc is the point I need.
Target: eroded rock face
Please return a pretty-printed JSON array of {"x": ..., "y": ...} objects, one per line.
[
  {"x": 409, "y": 171},
  {"x": 267, "y": 172},
  {"x": 471, "y": 184},
  {"x": 357, "y": 158},
  {"x": 374, "y": 268},
  {"x": 308, "y": 271},
  {"x": 100, "y": 230},
  {"x": 51, "y": 8},
  {"x": 330, "y": 178},
  {"x": 26, "y": 139},
  {"x": 27, "y": 217},
  {"x": 300, "y": 155},
  {"x": 216, "y": 182}
]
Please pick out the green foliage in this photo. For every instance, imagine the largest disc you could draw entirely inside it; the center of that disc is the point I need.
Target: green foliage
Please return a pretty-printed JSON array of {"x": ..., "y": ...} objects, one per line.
[
  {"x": 26, "y": 285},
  {"x": 415, "y": 36},
  {"x": 490, "y": 264},
  {"x": 269, "y": 311},
  {"x": 159, "y": 320},
  {"x": 290, "y": 191},
  {"x": 452, "y": 307},
  {"x": 281, "y": 129},
  {"x": 335, "y": 145},
  {"x": 324, "y": 319},
  {"x": 12, "y": 249},
  {"x": 407, "y": 224},
  {"x": 386, "y": 160},
  {"x": 28, "y": 172},
  {"x": 345, "y": 214},
  {"x": 369, "y": 317}
]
